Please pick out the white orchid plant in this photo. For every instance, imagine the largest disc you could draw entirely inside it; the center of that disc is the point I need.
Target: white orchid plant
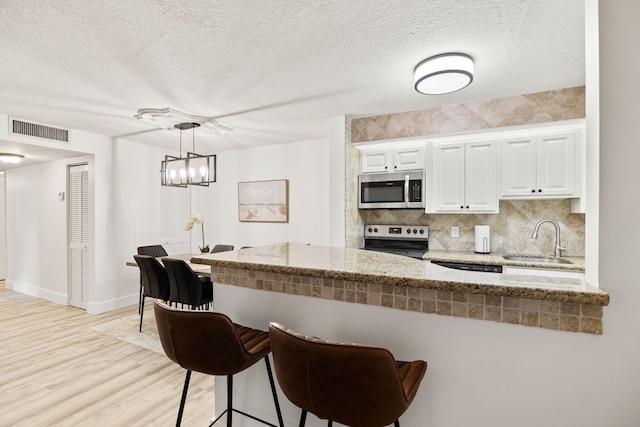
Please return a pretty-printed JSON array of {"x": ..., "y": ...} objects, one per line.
[{"x": 198, "y": 219}]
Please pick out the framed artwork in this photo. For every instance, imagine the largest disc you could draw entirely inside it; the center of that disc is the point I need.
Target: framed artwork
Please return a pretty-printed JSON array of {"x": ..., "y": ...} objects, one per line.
[{"x": 263, "y": 201}]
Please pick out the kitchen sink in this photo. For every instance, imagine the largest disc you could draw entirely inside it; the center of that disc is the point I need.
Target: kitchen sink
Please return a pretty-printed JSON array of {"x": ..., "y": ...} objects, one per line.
[{"x": 524, "y": 258}]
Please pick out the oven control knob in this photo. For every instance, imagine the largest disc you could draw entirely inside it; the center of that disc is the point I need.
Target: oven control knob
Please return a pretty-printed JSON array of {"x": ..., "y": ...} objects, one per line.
[
  {"x": 370, "y": 229},
  {"x": 375, "y": 230},
  {"x": 408, "y": 231},
  {"x": 422, "y": 231}
]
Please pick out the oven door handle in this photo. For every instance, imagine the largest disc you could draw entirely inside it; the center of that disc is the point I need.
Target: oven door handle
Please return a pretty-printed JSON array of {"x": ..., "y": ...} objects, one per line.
[{"x": 406, "y": 191}]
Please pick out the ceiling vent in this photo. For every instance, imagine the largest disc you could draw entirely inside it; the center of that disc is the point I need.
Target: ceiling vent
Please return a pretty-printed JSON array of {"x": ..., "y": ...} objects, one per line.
[{"x": 22, "y": 127}]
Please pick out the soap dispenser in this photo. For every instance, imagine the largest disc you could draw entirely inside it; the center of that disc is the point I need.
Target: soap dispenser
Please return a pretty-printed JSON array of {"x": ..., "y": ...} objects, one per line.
[{"x": 500, "y": 248}]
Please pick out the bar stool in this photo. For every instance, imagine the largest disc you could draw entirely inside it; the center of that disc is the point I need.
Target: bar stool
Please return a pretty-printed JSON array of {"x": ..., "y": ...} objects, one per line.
[
  {"x": 352, "y": 384},
  {"x": 208, "y": 342}
]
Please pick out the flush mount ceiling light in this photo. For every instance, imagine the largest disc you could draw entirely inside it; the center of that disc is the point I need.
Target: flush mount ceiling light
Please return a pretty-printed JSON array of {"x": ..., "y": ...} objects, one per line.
[
  {"x": 10, "y": 158},
  {"x": 168, "y": 118},
  {"x": 194, "y": 169},
  {"x": 443, "y": 73}
]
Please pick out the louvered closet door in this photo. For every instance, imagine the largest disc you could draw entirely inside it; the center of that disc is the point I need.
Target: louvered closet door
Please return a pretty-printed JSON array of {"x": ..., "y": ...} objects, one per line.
[
  {"x": 174, "y": 215},
  {"x": 78, "y": 235}
]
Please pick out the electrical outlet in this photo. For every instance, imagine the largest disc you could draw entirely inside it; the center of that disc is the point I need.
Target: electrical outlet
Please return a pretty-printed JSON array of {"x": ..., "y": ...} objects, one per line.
[{"x": 455, "y": 231}]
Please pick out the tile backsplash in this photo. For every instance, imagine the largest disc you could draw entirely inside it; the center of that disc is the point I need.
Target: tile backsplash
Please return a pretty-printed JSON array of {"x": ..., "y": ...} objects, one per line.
[{"x": 514, "y": 224}]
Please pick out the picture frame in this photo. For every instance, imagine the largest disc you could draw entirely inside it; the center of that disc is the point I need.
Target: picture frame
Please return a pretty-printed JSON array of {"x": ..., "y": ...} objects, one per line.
[{"x": 263, "y": 201}]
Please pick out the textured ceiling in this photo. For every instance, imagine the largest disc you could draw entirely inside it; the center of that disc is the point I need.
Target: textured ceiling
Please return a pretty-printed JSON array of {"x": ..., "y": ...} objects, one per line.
[{"x": 271, "y": 70}]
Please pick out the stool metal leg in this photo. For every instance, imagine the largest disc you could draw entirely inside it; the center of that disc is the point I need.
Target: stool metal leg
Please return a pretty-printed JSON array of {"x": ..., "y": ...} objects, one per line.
[
  {"x": 303, "y": 418},
  {"x": 396, "y": 423},
  {"x": 141, "y": 312},
  {"x": 229, "y": 399},
  {"x": 184, "y": 398},
  {"x": 273, "y": 390}
]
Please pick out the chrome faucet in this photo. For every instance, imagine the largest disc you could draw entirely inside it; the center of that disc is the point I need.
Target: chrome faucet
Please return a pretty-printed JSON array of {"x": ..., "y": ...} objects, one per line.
[{"x": 559, "y": 248}]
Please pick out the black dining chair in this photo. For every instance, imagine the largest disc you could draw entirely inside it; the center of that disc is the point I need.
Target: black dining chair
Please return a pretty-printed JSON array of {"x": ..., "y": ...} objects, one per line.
[
  {"x": 221, "y": 248},
  {"x": 185, "y": 286},
  {"x": 210, "y": 343},
  {"x": 154, "y": 251},
  {"x": 155, "y": 281}
]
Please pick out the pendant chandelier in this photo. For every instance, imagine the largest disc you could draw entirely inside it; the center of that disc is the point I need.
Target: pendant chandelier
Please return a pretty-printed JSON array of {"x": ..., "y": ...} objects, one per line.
[{"x": 194, "y": 169}]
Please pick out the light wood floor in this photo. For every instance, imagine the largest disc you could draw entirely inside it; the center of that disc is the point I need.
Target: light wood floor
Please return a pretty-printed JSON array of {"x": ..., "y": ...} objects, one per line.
[{"x": 56, "y": 371}]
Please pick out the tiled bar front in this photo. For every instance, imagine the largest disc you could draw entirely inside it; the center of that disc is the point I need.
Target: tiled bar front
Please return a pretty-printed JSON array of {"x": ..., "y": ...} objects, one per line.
[{"x": 543, "y": 313}]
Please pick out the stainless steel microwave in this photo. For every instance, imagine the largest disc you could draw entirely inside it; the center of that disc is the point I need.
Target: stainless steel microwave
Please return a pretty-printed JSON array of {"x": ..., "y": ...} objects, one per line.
[{"x": 392, "y": 190}]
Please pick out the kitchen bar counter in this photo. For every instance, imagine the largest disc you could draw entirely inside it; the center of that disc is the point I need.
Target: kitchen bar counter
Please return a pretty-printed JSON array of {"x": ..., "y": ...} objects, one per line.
[
  {"x": 397, "y": 282},
  {"x": 360, "y": 266}
]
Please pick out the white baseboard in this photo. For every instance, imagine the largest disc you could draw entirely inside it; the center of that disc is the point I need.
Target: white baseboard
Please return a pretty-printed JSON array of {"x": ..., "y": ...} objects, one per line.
[
  {"x": 62, "y": 299},
  {"x": 56, "y": 297},
  {"x": 113, "y": 304}
]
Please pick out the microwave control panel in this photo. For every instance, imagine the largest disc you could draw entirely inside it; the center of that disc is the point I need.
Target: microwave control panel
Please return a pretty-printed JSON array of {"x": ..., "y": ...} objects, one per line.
[{"x": 415, "y": 191}]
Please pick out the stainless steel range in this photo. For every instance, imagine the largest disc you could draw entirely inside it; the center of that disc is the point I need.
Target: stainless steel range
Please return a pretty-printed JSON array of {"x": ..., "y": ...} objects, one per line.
[{"x": 407, "y": 240}]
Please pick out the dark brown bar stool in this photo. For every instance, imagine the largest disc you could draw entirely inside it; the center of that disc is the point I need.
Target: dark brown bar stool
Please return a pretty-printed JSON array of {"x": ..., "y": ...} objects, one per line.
[
  {"x": 352, "y": 384},
  {"x": 208, "y": 342}
]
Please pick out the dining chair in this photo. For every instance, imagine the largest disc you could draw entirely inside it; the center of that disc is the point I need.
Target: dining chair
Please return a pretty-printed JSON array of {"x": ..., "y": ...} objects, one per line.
[
  {"x": 210, "y": 343},
  {"x": 155, "y": 281},
  {"x": 352, "y": 384},
  {"x": 221, "y": 248},
  {"x": 185, "y": 286},
  {"x": 154, "y": 251}
]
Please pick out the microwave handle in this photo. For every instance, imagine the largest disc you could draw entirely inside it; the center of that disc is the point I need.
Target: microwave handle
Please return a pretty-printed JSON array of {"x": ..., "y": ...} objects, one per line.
[{"x": 406, "y": 191}]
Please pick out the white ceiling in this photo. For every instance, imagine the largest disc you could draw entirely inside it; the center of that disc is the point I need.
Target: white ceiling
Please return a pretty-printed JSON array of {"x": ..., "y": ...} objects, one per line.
[{"x": 271, "y": 70}]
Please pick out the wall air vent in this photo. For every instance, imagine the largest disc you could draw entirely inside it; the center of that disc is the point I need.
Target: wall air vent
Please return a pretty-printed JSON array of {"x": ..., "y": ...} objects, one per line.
[{"x": 23, "y": 127}]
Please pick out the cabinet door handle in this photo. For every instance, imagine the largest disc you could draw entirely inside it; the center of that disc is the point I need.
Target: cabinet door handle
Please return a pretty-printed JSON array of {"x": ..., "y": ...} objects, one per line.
[
  {"x": 533, "y": 191},
  {"x": 539, "y": 190}
]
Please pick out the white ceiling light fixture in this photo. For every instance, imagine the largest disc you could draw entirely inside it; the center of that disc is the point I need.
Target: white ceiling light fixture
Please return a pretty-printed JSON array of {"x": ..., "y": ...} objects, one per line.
[
  {"x": 168, "y": 118},
  {"x": 444, "y": 73},
  {"x": 11, "y": 158}
]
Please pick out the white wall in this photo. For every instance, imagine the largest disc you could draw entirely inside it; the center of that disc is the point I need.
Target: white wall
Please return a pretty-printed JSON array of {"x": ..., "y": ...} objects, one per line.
[
  {"x": 3, "y": 229},
  {"x": 36, "y": 231},
  {"x": 305, "y": 164},
  {"x": 618, "y": 367}
]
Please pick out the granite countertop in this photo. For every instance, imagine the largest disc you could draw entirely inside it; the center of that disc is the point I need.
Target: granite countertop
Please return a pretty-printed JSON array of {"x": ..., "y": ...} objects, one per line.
[
  {"x": 376, "y": 267},
  {"x": 577, "y": 263}
]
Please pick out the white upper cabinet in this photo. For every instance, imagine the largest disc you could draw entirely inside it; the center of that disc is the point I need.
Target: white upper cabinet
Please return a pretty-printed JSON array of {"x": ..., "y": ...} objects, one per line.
[
  {"x": 401, "y": 158},
  {"x": 374, "y": 161},
  {"x": 539, "y": 167},
  {"x": 464, "y": 178}
]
